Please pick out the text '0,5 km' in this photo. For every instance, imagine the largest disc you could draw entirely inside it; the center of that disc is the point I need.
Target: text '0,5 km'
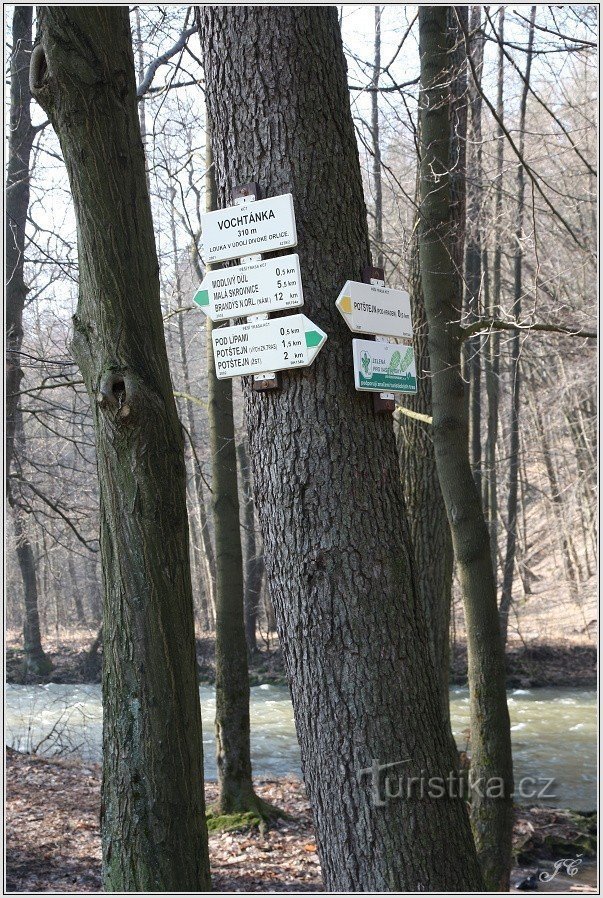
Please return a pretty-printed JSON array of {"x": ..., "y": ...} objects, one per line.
[{"x": 259, "y": 227}]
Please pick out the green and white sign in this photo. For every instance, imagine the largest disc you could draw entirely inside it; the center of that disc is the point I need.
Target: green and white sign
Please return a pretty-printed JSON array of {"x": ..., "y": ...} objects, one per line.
[
  {"x": 272, "y": 345},
  {"x": 249, "y": 228},
  {"x": 268, "y": 286},
  {"x": 384, "y": 367}
]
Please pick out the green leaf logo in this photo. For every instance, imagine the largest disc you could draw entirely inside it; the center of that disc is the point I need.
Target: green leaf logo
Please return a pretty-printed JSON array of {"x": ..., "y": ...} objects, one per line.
[{"x": 394, "y": 362}]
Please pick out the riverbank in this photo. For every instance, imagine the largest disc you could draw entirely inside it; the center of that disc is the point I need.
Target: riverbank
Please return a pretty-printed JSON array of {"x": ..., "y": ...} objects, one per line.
[
  {"x": 529, "y": 665},
  {"x": 53, "y": 838}
]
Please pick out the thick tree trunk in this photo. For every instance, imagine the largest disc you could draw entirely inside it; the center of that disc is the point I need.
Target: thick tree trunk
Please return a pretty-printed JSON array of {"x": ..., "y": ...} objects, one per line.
[
  {"x": 492, "y": 812},
  {"x": 20, "y": 142},
  {"x": 506, "y": 598},
  {"x": 254, "y": 560},
  {"x": 153, "y": 816},
  {"x": 326, "y": 477}
]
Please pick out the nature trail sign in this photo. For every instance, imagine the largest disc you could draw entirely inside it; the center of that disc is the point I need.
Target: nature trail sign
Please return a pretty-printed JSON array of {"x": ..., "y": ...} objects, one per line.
[{"x": 384, "y": 367}]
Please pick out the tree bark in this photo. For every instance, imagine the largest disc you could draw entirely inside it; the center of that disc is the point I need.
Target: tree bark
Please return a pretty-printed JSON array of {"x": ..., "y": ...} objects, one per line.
[
  {"x": 492, "y": 815},
  {"x": 326, "y": 477},
  {"x": 21, "y": 136},
  {"x": 154, "y": 835},
  {"x": 515, "y": 374}
]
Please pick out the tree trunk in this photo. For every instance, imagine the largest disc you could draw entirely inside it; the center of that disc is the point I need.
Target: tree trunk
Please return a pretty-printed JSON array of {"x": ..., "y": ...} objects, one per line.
[
  {"x": 20, "y": 142},
  {"x": 254, "y": 560},
  {"x": 492, "y": 361},
  {"x": 515, "y": 373},
  {"x": 377, "y": 182},
  {"x": 154, "y": 835},
  {"x": 233, "y": 750},
  {"x": 326, "y": 477},
  {"x": 473, "y": 253},
  {"x": 75, "y": 592},
  {"x": 430, "y": 532},
  {"x": 492, "y": 814}
]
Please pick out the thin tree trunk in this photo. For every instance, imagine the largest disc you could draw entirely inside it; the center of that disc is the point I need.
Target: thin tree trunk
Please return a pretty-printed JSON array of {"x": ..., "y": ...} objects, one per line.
[
  {"x": 377, "y": 182},
  {"x": 254, "y": 560},
  {"x": 509, "y": 565},
  {"x": 75, "y": 592},
  {"x": 20, "y": 142},
  {"x": 154, "y": 835},
  {"x": 439, "y": 249},
  {"x": 473, "y": 252},
  {"x": 233, "y": 750},
  {"x": 492, "y": 364},
  {"x": 326, "y": 477}
]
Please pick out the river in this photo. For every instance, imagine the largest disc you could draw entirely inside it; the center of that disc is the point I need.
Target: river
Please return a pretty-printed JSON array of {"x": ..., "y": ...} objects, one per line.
[{"x": 554, "y": 733}]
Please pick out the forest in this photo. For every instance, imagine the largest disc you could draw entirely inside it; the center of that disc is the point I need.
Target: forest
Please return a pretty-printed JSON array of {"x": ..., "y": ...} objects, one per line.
[{"x": 301, "y": 448}]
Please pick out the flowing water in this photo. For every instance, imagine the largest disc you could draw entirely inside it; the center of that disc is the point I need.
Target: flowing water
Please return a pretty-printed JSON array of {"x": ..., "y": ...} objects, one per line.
[{"x": 554, "y": 734}]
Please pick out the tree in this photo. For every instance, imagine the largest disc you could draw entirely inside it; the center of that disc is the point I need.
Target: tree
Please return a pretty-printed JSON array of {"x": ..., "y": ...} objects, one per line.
[
  {"x": 233, "y": 751},
  {"x": 21, "y": 137},
  {"x": 509, "y": 563},
  {"x": 430, "y": 532},
  {"x": 153, "y": 821},
  {"x": 325, "y": 468},
  {"x": 491, "y": 761}
]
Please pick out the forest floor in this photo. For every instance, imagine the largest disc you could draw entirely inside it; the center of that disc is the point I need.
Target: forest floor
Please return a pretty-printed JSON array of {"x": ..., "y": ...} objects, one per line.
[
  {"x": 563, "y": 663},
  {"x": 53, "y": 838}
]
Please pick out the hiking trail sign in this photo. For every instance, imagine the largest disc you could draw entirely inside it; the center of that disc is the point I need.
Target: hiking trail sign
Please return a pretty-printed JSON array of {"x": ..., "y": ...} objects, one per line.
[
  {"x": 372, "y": 309},
  {"x": 271, "y": 285},
  {"x": 261, "y": 226},
  {"x": 276, "y": 344},
  {"x": 382, "y": 367}
]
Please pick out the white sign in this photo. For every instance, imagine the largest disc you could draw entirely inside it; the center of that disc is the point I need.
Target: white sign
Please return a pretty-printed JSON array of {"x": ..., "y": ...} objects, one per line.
[
  {"x": 384, "y": 367},
  {"x": 251, "y": 289},
  {"x": 272, "y": 345},
  {"x": 258, "y": 227},
  {"x": 369, "y": 309}
]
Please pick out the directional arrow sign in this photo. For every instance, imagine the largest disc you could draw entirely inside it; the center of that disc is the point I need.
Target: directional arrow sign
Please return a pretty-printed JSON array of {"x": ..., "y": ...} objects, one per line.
[
  {"x": 381, "y": 367},
  {"x": 266, "y": 286},
  {"x": 368, "y": 309},
  {"x": 272, "y": 345},
  {"x": 258, "y": 227}
]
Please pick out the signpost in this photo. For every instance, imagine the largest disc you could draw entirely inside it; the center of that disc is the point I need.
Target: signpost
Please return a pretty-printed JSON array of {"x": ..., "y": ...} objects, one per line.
[
  {"x": 275, "y": 344},
  {"x": 251, "y": 289},
  {"x": 380, "y": 367},
  {"x": 373, "y": 309},
  {"x": 260, "y": 226}
]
